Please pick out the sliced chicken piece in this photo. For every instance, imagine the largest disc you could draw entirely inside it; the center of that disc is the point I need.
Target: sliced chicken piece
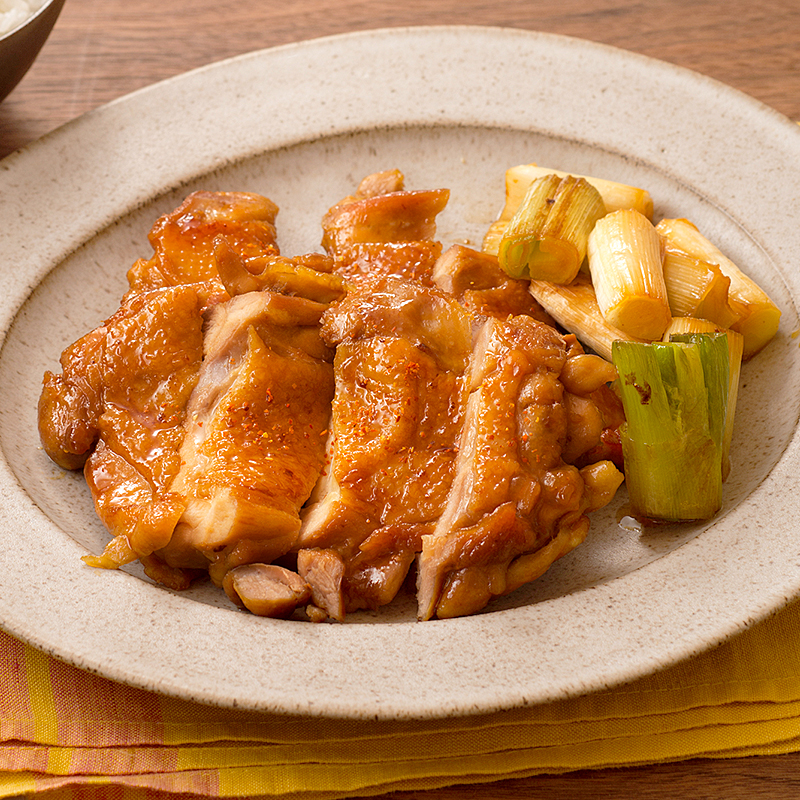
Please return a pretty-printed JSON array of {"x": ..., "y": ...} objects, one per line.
[
  {"x": 401, "y": 351},
  {"x": 183, "y": 240},
  {"x": 479, "y": 282},
  {"x": 266, "y": 590},
  {"x": 255, "y": 432},
  {"x": 306, "y": 276},
  {"x": 514, "y": 505},
  {"x": 384, "y": 230},
  {"x": 119, "y": 407}
]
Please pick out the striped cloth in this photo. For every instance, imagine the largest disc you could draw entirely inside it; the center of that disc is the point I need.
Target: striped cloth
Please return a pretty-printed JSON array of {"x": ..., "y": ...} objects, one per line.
[{"x": 76, "y": 735}]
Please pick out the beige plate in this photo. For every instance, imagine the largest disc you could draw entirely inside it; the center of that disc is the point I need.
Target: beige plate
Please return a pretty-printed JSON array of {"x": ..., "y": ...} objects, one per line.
[{"x": 450, "y": 107}]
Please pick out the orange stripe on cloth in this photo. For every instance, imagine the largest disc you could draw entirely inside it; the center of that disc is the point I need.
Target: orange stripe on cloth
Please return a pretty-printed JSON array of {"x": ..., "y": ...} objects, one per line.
[
  {"x": 93, "y": 709},
  {"x": 16, "y": 716},
  {"x": 84, "y": 761},
  {"x": 202, "y": 784}
]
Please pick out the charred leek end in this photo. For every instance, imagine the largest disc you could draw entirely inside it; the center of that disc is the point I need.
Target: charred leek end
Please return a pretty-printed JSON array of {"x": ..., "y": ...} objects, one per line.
[
  {"x": 759, "y": 317},
  {"x": 615, "y": 195},
  {"x": 575, "y": 308},
  {"x": 685, "y": 329},
  {"x": 546, "y": 238},
  {"x": 626, "y": 262},
  {"x": 697, "y": 288},
  {"x": 675, "y": 399}
]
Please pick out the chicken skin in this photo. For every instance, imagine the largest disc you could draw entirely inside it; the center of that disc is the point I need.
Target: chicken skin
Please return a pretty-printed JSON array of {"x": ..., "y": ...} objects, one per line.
[
  {"x": 385, "y": 230},
  {"x": 184, "y": 240},
  {"x": 314, "y": 431},
  {"x": 198, "y": 412},
  {"x": 401, "y": 351}
]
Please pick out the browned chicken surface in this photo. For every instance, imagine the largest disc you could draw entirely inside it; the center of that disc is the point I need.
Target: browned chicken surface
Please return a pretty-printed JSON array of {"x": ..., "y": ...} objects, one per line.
[
  {"x": 184, "y": 240},
  {"x": 480, "y": 284},
  {"x": 515, "y": 505},
  {"x": 311, "y": 431},
  {"x": 401, "y": 351},
  {"x": 385, "y": 230},
  {"x": 118, "y": 410}
]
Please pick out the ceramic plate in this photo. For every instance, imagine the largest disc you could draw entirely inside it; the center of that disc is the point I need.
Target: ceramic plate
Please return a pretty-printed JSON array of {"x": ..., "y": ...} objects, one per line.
[{"x": 452, "y": 107}]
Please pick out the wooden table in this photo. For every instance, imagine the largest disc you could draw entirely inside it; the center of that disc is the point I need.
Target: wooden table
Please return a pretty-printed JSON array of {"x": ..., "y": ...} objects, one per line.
[{"x": 102, "y": 49}]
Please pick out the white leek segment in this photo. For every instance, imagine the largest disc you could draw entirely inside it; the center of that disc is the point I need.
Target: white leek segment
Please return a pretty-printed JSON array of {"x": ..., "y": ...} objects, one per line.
[
  {"x": 759, "y": 317},
  {"x": 547, "y": 236},
  {"x": 575, "y": 308},
  {"x": 697, "y": 288},
  {"x": 675, "y": 397},
  {"x": 626, "y": 263}
]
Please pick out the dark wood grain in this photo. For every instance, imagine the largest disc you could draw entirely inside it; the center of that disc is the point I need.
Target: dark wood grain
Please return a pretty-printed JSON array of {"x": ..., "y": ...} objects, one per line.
[
  {"x": 762, "y": 778},
  {"x": 103, "y": 49}
]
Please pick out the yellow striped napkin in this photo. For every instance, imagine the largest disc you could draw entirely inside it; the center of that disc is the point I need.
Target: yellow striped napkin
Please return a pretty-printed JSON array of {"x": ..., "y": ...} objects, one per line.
[{"x": 77, "y": 735}]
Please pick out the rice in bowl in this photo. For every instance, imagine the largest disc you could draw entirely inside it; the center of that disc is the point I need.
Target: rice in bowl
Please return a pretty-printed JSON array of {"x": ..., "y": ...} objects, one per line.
[{"x": 14, "y": 12}]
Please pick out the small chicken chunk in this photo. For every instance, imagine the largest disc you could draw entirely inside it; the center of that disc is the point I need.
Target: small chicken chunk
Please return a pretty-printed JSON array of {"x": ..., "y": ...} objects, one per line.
[
  {"x": 479, "y": 282},
  {"x": 183, "y": 240},
  {"x": 266, "y": 590}
]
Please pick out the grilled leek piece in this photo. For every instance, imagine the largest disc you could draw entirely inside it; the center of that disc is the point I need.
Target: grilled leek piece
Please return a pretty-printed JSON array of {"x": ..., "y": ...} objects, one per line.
[
  {"x": 675, "y": 397},
  {"x": 681, "y": 329},
  {"x": 626, "y": 263},
  {"x": 759, "y": 317},
  {"x": 547, "y": 236},
  {"x": 575, "y": 308},
  {"x": 519, "y": 179},
  {"x": 615, "y": 195},
  {"x": 697, "y": 288}
]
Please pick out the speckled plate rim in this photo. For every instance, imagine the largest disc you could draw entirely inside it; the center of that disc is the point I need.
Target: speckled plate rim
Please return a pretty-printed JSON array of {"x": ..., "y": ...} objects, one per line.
[{"x": 59, "y": 192}]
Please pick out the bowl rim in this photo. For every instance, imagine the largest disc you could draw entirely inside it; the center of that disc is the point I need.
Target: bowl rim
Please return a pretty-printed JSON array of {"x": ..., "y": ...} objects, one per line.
[{"x": 29, "y": 20}]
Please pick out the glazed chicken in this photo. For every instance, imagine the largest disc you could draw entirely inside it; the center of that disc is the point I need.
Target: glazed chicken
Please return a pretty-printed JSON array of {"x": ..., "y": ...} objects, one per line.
[
  {"x": 185, "y": 239},
  {"x": 434, "y": 408},
  {"x": 401, "y": 352},
  {"x": 197, "y": 412},
  {"x": 118, "y": 409},
  {"x": 515, "y": 505},
  {"x": 480, "y": 284},
  {"x": 384, "y": 230},
  {"x": 312, "y": 431}
]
